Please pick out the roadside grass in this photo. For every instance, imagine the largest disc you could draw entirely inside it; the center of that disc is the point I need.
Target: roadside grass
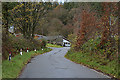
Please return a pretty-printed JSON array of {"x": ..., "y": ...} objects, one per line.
[
  {"x": 12, "y": 69},
  {"x": 0, "y": 66},
  {"x": 92, "y": 61},
  {"x": 0, "y": 71},
  {"x": 53, "y": 45}
]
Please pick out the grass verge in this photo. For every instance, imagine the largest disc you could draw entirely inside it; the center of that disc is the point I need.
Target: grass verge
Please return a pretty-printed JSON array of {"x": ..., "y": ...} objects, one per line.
[
  {"x": 12, "y": 69},
  {"x": 92, "y": 61},
  {"x": 0, "y": 71},
  {"x": 53, "y": 45},
  {"x": 0, "y": 66}
]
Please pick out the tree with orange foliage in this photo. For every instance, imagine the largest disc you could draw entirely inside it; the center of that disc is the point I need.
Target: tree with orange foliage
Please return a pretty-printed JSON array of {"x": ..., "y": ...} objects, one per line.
[
  {"x": 87, "y": 26},
  {"x": 109, "y": 9},
  {"x": 108, "y": 27}
]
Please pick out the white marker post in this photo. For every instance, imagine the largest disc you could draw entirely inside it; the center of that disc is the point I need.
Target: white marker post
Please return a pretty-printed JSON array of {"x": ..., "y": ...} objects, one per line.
[
  {"x": 27, "y": 50},
  {"x": 42, "y": 49},
  {"x": 9, "y": 56},
  {"x": 35, "y": 50},
  {"x": 20, "y": 51}
]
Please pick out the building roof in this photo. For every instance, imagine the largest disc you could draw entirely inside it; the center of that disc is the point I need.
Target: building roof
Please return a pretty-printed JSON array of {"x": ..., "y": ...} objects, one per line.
[
  {"x": 65, "y": 41},
  {"x": 53, "y": 37},
  {"x": 42, "y": 37}
]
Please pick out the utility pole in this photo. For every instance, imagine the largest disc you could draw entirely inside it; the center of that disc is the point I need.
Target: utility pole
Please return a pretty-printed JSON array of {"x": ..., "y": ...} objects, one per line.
[{"x": 110, "y": 23}]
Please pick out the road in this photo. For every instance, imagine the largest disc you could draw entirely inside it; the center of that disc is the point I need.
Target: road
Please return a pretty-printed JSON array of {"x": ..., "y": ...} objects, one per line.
[{"x": 53, "y": 64}]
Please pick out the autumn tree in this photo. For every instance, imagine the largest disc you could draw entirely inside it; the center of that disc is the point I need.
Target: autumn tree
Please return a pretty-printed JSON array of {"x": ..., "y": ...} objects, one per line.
[
  {"x": 26, "y": 16},
  {"x": 108, "y": 21},
  {"x": 41, "y": 29},
  {"x": 70, "y": 5},
  {"x": 109, "y": 30},
  {"x": 55, "y": 27},
  {"x": 60, "y": 13},
  {"x": 67, "y": 29},
  {"x": 87, "y": 26},
  {"x": 6, "y": 6}
]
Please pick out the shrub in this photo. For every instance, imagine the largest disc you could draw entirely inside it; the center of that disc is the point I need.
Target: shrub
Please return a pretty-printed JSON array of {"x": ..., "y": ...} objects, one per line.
[
  {"x": 91, "y": 45},
  {"x": 14, "y": 44},
  {"x": 43, "y": 43}
]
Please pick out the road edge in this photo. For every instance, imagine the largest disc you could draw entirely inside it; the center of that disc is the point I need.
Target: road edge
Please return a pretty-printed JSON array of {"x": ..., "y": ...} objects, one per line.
[
  {"x": 94, "y": 69},
  {"x": 29, "y": 61}
]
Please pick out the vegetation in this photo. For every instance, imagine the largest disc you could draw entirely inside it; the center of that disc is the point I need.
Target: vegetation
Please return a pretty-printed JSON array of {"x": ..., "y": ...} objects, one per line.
[
  {"x": 6, "y": 17},
  {"x": 13, "y": 44},
  {"x": 0, "y": 71},
  {"x": 13, "y": 68},
  {"x": 53, "y": 45},
  {"x": 96, "y": 39},
  {"x": 91, "y": 27},
  {"x": 96, "y": 62},
  {"x": 25, "y": 17},
  {"x": 92, "y": 57}
]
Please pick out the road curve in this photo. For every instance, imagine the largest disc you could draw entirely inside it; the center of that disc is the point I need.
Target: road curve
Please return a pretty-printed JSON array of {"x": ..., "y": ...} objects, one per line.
[{"x": 53, "y": 64}]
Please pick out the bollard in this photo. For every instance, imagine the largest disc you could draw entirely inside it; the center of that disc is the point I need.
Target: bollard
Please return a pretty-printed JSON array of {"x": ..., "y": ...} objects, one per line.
[
  {"x": 35, "y": 50},
  {"x": 27, "y": 50},
  {"x": 20, "y": 51},
  {"x": 42, "y": 49},
  {"x": 9, "y": 56}
]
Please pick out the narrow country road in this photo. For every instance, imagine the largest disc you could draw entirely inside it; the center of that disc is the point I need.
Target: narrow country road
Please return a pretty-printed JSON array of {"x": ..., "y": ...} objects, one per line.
[{"x": 53, "y": 64}]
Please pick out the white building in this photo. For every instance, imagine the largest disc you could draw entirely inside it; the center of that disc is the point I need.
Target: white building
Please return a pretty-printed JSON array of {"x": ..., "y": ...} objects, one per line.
[{"x": 66, "y": 43}]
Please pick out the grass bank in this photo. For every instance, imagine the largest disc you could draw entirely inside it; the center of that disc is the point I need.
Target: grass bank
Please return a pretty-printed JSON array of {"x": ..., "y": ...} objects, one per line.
[
  {"x": 0, "y": 71},
  {"x": 12, "y": 69},
  {"x": 0, "y": 66},
  {"x": 92, "y": 61},
  {"x": 53, "y": 45}
]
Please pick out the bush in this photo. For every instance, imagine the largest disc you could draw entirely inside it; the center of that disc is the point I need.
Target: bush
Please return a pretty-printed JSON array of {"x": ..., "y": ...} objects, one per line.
[
  {"x": 14, "y": 44},
  {"x": 91, "y": 45},
  {"x": 43, "y": 43},
  {"x": 6, "y": 45},
  {"x": 23, "y": 43}
]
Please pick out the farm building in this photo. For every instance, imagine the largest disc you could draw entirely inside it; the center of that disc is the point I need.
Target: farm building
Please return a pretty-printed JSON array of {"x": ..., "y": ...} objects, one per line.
[
  {"x": 59, "y": 40},
  {"x": 66, "y": 43}
]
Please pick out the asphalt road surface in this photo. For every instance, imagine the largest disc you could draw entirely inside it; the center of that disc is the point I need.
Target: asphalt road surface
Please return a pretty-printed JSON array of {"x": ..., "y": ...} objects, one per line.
[{"x": 53, "y": 64}]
